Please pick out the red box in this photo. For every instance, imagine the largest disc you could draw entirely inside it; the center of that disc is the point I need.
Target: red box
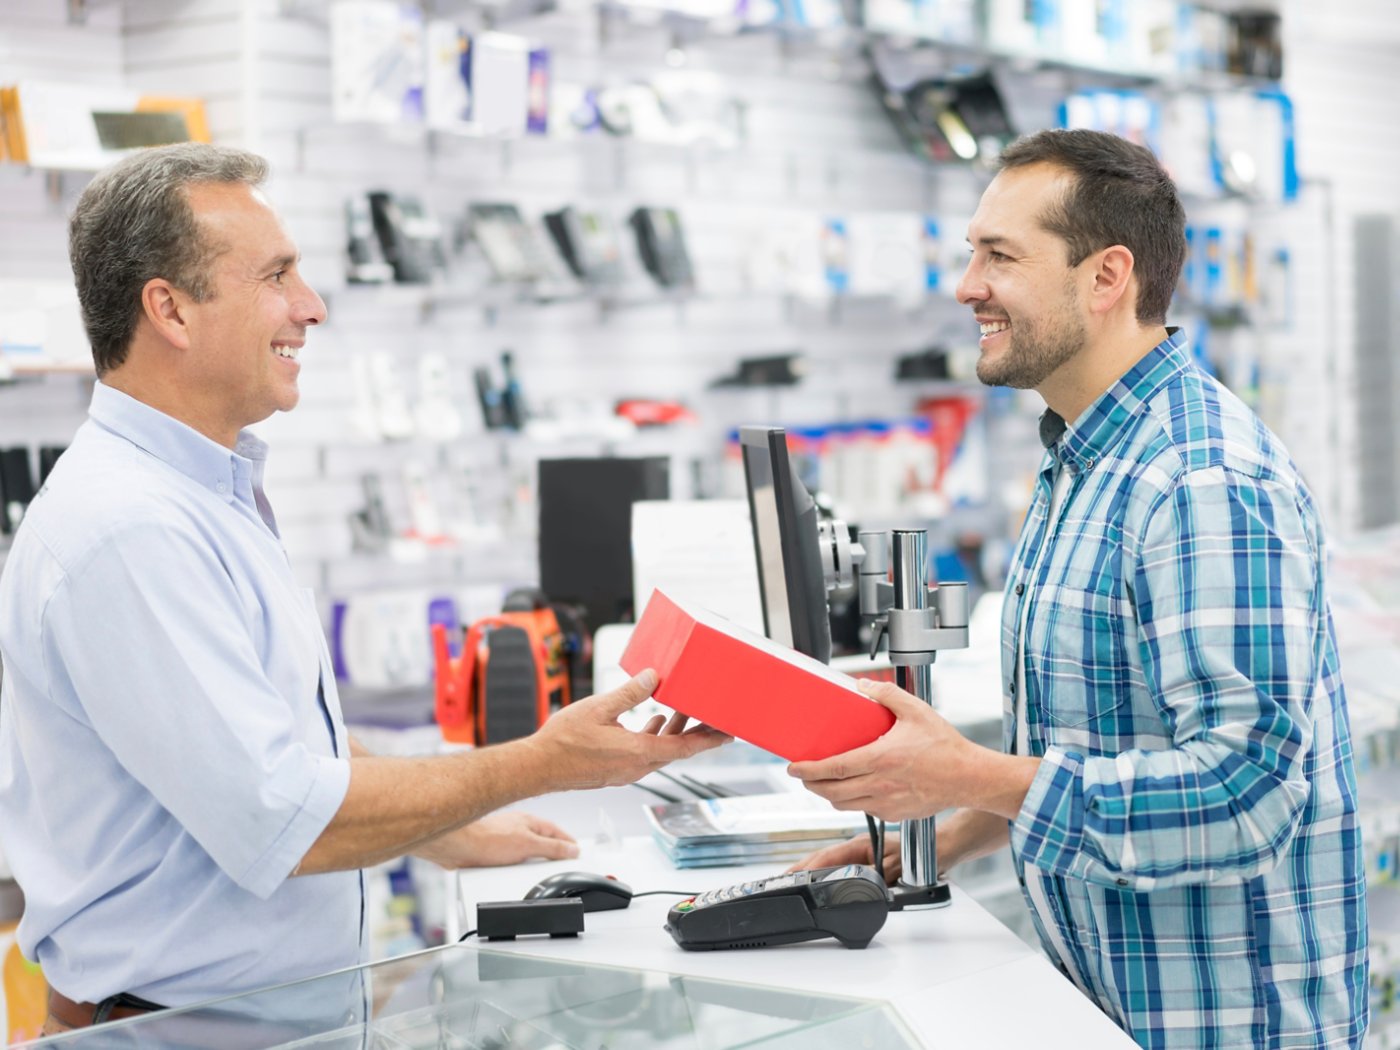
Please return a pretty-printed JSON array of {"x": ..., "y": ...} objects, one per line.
[{"x": 750, "y": 687}]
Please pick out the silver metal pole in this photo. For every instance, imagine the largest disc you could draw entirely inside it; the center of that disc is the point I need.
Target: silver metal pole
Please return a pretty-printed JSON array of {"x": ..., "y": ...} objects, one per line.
[{"x": 918, "y": 841}]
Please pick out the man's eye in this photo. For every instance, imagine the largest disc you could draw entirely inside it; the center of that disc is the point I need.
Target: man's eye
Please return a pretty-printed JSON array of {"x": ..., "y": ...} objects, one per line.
[
  {"x": 279, "y": 275},
  {"x": 998, "y": 256}
]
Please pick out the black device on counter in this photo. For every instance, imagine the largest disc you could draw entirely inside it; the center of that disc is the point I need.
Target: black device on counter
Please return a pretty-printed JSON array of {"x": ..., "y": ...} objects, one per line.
[
  {"x": 849, "y": 903},
  {"x": 598, "y": 892}
]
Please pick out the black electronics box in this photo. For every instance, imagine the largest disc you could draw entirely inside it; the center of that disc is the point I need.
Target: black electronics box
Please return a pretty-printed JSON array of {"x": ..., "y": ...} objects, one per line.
[{"x": 586, "y": 531}]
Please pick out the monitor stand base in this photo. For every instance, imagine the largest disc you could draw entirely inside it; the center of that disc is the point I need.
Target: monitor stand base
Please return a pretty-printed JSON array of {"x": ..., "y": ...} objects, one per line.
[{"x": 920, "y": 898}]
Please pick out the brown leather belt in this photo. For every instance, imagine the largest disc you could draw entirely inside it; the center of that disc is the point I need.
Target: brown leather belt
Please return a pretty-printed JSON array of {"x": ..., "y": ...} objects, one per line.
[{"x": 81, "y": 1015}]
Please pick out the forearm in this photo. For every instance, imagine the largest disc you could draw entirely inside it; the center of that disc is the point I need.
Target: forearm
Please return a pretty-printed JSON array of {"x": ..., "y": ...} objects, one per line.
[
  {"x": 393, "y": 805},
  {"x": 969, "y": 834},
  {"x": 1153, "y": 819}
]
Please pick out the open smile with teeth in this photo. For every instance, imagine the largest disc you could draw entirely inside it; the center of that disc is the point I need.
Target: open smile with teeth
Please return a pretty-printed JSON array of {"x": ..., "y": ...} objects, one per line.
[
  {"x": 283, "y": 350},
  {"x": 993, "y": 327}
]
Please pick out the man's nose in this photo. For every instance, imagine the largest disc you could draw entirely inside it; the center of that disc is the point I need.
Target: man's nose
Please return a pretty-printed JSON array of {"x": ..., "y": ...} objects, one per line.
[
  {"x": 310, "y": 306},
  {"x": 971, "y": 288}
]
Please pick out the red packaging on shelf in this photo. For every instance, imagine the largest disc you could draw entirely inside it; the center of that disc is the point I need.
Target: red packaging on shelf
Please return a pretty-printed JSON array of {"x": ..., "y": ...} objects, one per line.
[{"x": 748, "y": 686}]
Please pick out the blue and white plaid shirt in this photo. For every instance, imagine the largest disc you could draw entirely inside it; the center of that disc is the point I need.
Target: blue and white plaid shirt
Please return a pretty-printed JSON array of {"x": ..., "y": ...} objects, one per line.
[{"x": 1191, "y": 835}]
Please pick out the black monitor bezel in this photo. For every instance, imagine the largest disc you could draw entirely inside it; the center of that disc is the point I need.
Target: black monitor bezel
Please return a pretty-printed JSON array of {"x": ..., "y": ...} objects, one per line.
[{"x": 772, "y": 442}]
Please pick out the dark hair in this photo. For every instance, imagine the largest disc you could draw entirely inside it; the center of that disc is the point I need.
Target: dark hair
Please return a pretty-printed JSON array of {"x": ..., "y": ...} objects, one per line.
[
  {"x": 1121, "y": 195},
  {"x": 133, "y": 222}
]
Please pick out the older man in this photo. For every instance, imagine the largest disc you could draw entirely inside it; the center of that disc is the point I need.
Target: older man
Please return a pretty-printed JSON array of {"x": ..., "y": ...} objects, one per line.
[{"x": 171, "y": 746}]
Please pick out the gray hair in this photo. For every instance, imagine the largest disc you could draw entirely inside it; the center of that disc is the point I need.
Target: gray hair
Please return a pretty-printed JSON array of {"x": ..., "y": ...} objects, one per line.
[{"x": 133, "y": 223}]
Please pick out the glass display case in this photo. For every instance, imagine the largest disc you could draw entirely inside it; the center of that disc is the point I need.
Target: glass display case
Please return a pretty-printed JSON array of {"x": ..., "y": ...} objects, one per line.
[{"x": 474, "y": 998}]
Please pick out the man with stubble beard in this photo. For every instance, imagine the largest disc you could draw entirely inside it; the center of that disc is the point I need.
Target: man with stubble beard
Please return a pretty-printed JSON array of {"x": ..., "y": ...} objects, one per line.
[{"x": 1176, "y": 778}]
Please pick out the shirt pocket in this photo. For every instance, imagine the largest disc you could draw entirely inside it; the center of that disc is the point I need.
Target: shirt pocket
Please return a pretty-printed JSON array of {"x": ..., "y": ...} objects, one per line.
[{"x": 1085, "y": 672}]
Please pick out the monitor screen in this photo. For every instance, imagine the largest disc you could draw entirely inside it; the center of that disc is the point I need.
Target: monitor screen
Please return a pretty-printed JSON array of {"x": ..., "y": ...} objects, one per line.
[{"x": 784, "y": 518}]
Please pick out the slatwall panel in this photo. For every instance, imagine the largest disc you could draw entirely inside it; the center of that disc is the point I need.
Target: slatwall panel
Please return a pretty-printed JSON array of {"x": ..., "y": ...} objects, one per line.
[
  {"x": 1342, "y": 66},
  {"x": 36, "y": 40},
  {"x": 818, "y": 144}
]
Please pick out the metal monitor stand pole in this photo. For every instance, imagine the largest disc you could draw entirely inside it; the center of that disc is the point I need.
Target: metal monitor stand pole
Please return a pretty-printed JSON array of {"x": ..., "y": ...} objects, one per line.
[{"x": 918, "y": 886}]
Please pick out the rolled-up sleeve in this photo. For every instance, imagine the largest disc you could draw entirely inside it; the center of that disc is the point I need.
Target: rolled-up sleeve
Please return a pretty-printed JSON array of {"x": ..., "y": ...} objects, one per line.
[
  {"x": 1228, "y": 597},
  {"x": 170, "y": 679}
]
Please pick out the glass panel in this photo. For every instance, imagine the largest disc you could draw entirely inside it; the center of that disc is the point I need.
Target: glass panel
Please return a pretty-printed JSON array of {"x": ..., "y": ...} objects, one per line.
[{"x": 468, "y": 998}]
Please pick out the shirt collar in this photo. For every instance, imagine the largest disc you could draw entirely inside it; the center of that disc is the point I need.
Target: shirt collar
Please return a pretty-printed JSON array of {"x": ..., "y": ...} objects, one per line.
[
  {"x": 1082, "y": 444},
  {"x": 205, "y": 462}
]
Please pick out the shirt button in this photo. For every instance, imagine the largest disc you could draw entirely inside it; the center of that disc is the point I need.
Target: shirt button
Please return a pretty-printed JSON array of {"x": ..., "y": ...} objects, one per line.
[
  {"x": 1020, "y": 589},
  {"x": 1011, "y": 688},
  {"x": 1121, "y": 882},
  {"x": 221, "y": 486},
  {"x": 1089, "y": 464}
]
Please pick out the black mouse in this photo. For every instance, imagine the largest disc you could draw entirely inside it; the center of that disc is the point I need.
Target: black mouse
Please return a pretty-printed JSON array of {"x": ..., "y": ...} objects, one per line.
[{"x": 598, "y": 892}]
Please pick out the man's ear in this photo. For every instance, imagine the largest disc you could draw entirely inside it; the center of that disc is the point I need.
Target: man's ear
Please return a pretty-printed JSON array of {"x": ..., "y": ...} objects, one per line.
[
  {"x": 165, "y": 307},
  {"x": 1113, "y": 275}
]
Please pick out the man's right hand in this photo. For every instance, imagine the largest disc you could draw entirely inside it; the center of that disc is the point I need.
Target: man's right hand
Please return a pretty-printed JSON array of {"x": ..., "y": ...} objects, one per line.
[
  {"x": 856, "y": 851},
  {"x": 584, "y": 746}
]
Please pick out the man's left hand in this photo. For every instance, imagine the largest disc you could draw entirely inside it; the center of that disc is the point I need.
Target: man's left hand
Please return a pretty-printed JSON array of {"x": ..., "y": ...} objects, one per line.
[
  {"x": 915, "y": 770},
  {"x": 498, "y": 839}
]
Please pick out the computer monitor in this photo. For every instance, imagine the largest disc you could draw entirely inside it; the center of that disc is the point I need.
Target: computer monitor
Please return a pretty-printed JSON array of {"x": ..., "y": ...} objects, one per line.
[{"x": 784, "y": 518}]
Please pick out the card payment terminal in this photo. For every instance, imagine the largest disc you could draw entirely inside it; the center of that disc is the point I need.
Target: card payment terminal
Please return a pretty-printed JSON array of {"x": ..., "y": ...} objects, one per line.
[{"x": 849, "y": 903}]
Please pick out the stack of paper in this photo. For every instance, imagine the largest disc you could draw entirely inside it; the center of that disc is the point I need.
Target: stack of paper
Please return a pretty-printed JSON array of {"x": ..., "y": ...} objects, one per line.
[{"x": 749, "y": 829}]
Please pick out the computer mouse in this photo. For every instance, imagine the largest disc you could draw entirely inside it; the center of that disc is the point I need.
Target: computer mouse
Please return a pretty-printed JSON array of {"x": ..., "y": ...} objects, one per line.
[{"x": 598, "y": 892}]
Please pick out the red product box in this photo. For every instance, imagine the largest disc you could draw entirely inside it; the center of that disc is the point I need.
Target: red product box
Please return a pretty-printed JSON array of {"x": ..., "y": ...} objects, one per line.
[{"x": 748, "y": 686}]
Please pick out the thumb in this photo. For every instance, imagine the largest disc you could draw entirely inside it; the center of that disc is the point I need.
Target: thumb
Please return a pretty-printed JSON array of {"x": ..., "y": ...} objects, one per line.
[
  {"x": 625, "y": 697},
  {"x": 890, "y": 695}
]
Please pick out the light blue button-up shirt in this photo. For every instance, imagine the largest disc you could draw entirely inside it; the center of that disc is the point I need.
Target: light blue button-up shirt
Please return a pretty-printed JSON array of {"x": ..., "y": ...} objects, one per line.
[{"x": 171, "y": 741}]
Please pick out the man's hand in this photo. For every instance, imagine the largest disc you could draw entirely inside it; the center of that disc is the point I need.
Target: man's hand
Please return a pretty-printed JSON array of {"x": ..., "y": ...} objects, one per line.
[
  {"x": 499, "y": 839},
  {"x": 920, "y": 767},
  {"x": 583, "y": 746},
  {"x": 855, "y": 851}
]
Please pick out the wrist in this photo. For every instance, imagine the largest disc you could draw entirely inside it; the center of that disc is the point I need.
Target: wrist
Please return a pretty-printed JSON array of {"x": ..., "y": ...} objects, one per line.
[
  {"x": 527, "y": 764},
  {"x": 998, "y": 783}
]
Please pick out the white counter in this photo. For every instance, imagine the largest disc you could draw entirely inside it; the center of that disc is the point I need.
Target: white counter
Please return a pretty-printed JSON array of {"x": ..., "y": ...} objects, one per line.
[{"x": 955, "y": 975}]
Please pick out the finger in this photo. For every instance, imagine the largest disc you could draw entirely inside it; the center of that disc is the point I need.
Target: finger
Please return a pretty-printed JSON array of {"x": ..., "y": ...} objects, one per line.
[
  {"x": 855, "y": 763},
  {"x": 701, "y": 727},
  {"x": 552, "y": 848},
  {"x": 845, "y": 794},
  {"x": 654, "y": 724},
  {"x": 676, "y": 724},
  {"x": 627, "y": 696},
  {"x": 549, "y": 829},
  {"x": 666, "y": 749}
]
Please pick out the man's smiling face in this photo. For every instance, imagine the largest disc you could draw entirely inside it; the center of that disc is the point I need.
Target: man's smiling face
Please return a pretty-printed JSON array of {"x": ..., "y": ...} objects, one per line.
[
  {"x": 1022, "y": 290},
  {"x": 248, "y": 335}
]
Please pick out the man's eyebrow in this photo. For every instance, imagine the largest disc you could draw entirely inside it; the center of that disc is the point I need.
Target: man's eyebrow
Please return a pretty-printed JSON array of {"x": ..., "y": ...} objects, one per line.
[
  {"x": 994, "y": 240},
  {"x": 281, "y": 262}
]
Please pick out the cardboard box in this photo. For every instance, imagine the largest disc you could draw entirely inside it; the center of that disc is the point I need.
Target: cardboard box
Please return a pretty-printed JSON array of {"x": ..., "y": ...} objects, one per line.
[{"x": 749, "y": 686}]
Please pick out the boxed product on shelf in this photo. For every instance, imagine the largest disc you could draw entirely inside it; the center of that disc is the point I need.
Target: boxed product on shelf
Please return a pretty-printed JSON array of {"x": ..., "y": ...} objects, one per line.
[
  {"x": 377, "y": 58},
  {"x": 53, "y": 124}
]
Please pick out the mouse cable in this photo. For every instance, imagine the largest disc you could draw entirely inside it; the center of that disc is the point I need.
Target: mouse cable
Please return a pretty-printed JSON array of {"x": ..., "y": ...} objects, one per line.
[
  {"x": 668, "y": 893},
  {"x": 465, "y": 936},
  {"x": 877, "y": 843}
]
